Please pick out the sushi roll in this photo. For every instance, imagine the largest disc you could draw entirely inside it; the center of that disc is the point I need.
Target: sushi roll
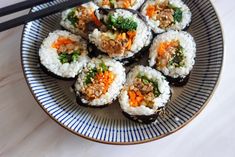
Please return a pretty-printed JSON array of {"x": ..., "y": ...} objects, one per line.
[
  {"x": 144, "y": 94},
  {"x": 81, "y": 19},
  {"x": 123, "y": 33},
  {"x": 127, "y": 4},
  {"x": 63, "y": 54},
  {"x": 100, "y": 82},
  {"x": 173, "y": 53},
  {"x": 163, "y": 15}
]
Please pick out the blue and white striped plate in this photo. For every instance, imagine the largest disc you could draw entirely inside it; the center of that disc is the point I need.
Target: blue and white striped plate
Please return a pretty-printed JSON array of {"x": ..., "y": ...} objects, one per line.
[{"x": 108, "y": 125}]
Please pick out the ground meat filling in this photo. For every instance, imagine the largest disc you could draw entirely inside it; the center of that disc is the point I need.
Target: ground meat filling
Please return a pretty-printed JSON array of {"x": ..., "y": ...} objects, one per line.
[
  {"x": 114, "y": 47},
  {"x": 85, "y": 17},
  {"x": 165, "y": 13},
  {"x": 97, "y": 82},
  {"x": 67, "y": 49},
  {"x": 143, "y": 91},
  {"x": 170, "y": 53},
  {"x": 80, "y": 17},
  {"x": 166, "y": 18},
  {"x": 118, "y": 34},
  {"x": 118, "y": 45},
  {"x": 118, "y": 3}
]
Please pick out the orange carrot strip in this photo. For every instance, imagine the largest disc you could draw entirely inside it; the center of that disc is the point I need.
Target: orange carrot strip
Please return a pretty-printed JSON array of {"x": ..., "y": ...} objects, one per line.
[
  {"x": 128, "y": 45},
  {"x": 105, "y": 2},
  {"x": 150, "y": 10},
  {"x": 62, "y": 41},
  {"x": 135, "y": 98},
  {"x": 165, "y": 45},
  {"x": 126, "y": 4},
  {"x": 106, "y": 78},
  {"x": 96, "y": 21},
  {"x": 131, "y": 34}
]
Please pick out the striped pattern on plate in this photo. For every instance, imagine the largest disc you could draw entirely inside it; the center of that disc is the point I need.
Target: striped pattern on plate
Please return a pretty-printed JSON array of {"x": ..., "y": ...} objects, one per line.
[{"x": 108, "y": 125}]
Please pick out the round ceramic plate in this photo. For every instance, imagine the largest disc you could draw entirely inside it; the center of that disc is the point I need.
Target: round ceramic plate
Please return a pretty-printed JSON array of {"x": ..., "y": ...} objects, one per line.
[{"x": 108, "y": 125}]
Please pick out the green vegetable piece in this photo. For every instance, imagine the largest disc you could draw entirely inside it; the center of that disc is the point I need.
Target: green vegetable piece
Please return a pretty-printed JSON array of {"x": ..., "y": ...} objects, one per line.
[
  {"x": 63, "y": 58},
  {"x": 178, "y": 15},
  {"x": 103, "y": 67},
  {"x": 121, "y": 24},
  {"x": 156, "y": 90},
  {"x": 111, "y": 21},
  {"x": 112, "y": 3},
  {"x": 68, "y": 58},
  {"x": 91, "y": 74},
  {"x": 75, "y": 56},
  {"x": 178, "y": 59},
  {"x": 146, "y": 80},
  {"x": 72, "y": 17}
]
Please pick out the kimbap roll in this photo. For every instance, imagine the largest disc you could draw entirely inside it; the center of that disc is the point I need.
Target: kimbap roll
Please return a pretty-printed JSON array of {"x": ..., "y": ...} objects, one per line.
[
  {"x": 100, "y": 82},
  {"x": 173, "y": 54},
  {"x": 144, "y": 94},
  {"x": 123, "y": 33},
  {"x": 80, "y": 19},
  {"x": 163, "y": 15},
  {"x": 127, "y": 4},
  {"x": 63, "y": 54}
]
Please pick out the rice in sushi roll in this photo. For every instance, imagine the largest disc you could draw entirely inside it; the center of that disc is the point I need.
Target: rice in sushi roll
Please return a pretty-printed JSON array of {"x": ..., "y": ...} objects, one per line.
[
  {"x": 173, "y": 54},
  {"x": 63, "y": 54},
  {"x": 80, "y": 19},
  {"x": 144, "y": 94},
  {"x": 123, "y": 33},
  {"x": 100, "y": 82},
  {"x": 163, "y": 15},
  {"x": 127, "y": 4}
]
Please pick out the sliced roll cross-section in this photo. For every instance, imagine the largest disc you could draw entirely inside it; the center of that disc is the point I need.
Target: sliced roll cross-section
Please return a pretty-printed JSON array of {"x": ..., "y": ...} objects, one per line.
[
  {"x": 123, "y": 33},
  {"x": 145, "y": 93},
  {"x": 81, "y": 19},
  {"x": 173, "y": 53},
  {"x": 100, "y": 82},
  {"x": 127, "y": 4},
  {"x": 163, "y": 15},
  {"x": 63, "y": 54}
]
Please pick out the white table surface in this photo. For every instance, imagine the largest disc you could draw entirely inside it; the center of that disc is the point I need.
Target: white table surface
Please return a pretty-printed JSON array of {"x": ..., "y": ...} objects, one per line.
[{"x": 26, "y": 131}]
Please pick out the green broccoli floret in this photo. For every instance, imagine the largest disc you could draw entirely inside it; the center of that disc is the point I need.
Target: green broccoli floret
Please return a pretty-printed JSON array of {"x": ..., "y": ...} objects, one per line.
[{"x": 121, "y": 24}]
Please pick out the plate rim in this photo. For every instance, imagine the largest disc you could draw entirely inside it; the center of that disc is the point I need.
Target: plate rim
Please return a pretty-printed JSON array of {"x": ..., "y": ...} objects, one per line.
[{"x": 134, "y": 142}]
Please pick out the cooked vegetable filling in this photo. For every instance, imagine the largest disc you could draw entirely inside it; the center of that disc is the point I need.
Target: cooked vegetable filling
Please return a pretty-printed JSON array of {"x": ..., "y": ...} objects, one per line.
[
  {"x": 143, "y": 91},
  {"x": 67, "y": 49},
  {"x": 118, "y": 3},
  {"x": 97, "y": 81},
  {"x": 164, "y": 12},
  {"x": 118, "y": 43},
  {"x": 68, "y": 58},
  {"x": 80, "y": 16},
  {"x": 121, "y": 24},
  {"x": 120, "y": 35},
  {"x": 73, "y": 18},
  {"x": 170, "y": 54},
  {"x": 178, "y": 14}
]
